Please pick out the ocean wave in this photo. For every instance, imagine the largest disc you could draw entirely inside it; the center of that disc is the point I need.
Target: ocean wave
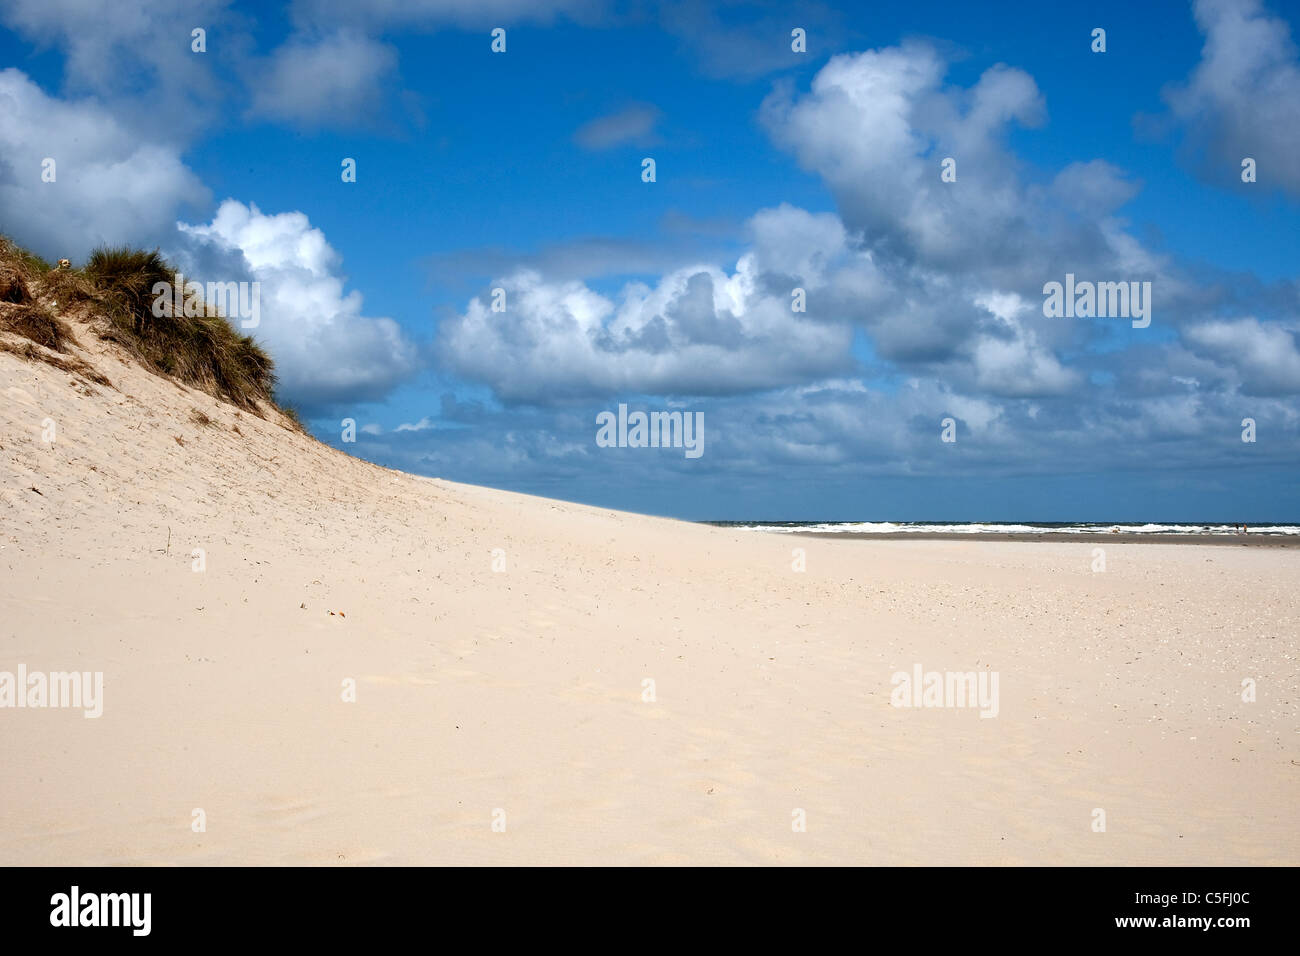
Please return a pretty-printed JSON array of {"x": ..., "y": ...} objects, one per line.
[{"x": 925, "y": 527}]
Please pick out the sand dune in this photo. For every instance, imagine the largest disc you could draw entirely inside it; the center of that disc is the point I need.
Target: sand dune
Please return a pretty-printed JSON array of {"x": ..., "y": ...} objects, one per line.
[{"x": 521, "y": 690}]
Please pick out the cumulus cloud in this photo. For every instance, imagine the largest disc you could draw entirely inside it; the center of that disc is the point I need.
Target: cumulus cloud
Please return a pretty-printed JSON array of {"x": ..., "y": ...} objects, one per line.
[
  {"x": 788, "y": 241},
  {"x": 109, "y": 187},
  {"x": 875, "y": 126},
  {"x": 1243, "y": 97},
  {"x": 1012, "y": 362},
  {"x": 698, "y": 330},
  {"x": 338, "y": 78},
  {"x": 326, "y": 351},
  {"x": 136, "y": 57},
  {"x": 1265, "y": 356}
]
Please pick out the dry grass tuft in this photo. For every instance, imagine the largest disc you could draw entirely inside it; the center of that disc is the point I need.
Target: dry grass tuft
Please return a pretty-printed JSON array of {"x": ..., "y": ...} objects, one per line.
[
  {"x": 204, "y": 350},
  {"x": 37, "y": 324},
  {"x": 69, "y": 364},
  {"x": 13, "y": 286},
  {"x": 31, "y": 266},
  {"x": 68, "y": 287}
]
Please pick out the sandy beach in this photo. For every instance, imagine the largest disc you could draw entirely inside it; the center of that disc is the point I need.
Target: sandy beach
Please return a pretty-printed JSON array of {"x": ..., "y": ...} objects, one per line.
[{"x": 519, "y": 696}]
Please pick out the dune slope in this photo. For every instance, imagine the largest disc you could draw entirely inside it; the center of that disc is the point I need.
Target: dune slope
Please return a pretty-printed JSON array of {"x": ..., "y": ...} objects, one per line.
[{"x": 519, "y": 695}]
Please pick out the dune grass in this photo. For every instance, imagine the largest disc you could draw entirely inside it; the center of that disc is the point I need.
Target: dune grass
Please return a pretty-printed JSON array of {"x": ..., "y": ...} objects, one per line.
[
  {"x": 38, "y": 325},
  {"x": 34, "y": 324},
  {"x": 117, "y": 284},
  {"x": 23, "y": 315},
  {"x": 204, "y": 350},
  {"x": 28, "y": 262}
]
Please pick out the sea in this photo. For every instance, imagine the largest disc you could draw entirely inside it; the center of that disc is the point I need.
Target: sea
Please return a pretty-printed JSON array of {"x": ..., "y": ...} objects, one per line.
[{"x": 1008, "y": 527}]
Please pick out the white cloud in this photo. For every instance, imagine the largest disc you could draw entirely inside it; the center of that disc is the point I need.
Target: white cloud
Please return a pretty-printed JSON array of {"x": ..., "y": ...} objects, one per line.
[
  {"x": 699, "y": 330},
  {"x": 336, "y": 71},
  {"x": 137, "y": 56},
  {"x": 1243, "y": 98},
  {"x": 1012, "y": 363},
  {"x": 1265, "y": 357},
  {"x": 334, "y": 79},
  {"x": 324, "y": 348},
  {"x": 110, "y": 187},
  {"x": 424, "y": 424},
  {"x": 875, "y": 126},
  {"x": 789, "y": 241}
]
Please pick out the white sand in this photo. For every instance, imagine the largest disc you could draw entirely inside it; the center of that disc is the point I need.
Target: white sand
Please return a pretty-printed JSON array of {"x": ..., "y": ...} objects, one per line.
[{"x": 522, "y": 690}]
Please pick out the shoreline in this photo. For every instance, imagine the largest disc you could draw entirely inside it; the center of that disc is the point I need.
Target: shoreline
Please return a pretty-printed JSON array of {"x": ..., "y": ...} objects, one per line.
[{"x": 1068, "y": 537}]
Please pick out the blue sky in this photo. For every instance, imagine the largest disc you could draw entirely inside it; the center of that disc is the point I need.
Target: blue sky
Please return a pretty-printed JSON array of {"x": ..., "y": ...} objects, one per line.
[{"x": 775, "y": 169}]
